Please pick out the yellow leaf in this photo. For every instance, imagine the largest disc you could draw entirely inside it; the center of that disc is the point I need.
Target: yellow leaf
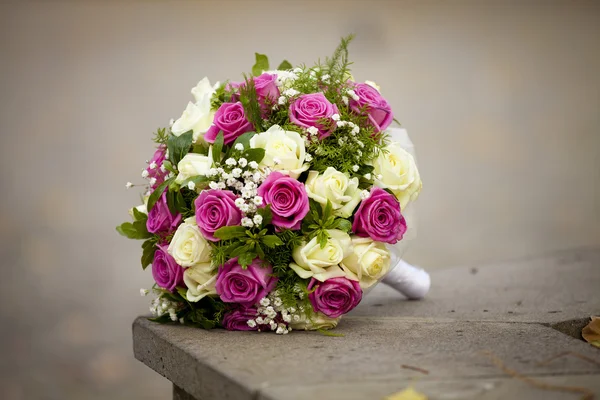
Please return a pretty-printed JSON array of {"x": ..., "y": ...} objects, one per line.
[
  {"x": 407, "y": 394},
  {"x": 591, "y": 332}
]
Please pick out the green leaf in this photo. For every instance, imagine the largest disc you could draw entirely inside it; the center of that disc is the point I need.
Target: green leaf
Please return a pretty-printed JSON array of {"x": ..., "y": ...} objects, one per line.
[
  {"x": 260, "y": 252},
  {"x": 230, "y": 232},
  {"x": 328, "y": 210},
  {"x": 240, "y": 250},
  {"x": 285, "y": 64},
  {"x": 179, "y": 146},
  {"x": 217, "y": 148},
  {"x": 255, "y": 154},
  {"x": 163, "y": 319},
  {"x": 168, "y": 166},
  {"x": 135, "y": 230},
  {"x": 158, "y": 192},
  {"x": 322, "y": 237},
  {"x": 271, "y": 241},
  {"x": 342, "y": 224},
  {"x": 244, "y": 139},
  {"x": 266, "y": 214},
  {"x": 148, "y": 250},
  {"x": 176, "y": 202},
  {"x": 139, "y": 216},
  {"x": 262, "y": 64},
  {"x": 246, "y": 259},
  {"x": 182, "y": 292},
  {"x": 328, "y": 333}
]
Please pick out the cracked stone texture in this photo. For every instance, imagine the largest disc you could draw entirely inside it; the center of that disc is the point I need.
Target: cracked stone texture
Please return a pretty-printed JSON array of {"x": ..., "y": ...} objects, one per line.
[{"x": 386, "y": 332}]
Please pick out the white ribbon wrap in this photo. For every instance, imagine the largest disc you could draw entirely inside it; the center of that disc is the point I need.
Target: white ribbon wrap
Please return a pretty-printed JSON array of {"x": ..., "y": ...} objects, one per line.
[{"x": 411, "y": 281}]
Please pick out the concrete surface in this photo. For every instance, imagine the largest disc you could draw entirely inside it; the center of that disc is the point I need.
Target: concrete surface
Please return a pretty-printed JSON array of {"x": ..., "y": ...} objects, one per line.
[
  {"x": 369, "y": 361},
  {"x": 548, "y": 289}
]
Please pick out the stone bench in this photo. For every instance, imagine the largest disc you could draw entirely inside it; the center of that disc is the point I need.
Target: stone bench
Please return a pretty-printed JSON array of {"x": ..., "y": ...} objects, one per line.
[{"x": 520, "y": 312}]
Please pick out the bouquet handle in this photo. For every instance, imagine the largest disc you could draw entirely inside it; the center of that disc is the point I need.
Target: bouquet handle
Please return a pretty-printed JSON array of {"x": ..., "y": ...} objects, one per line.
[{"x": 413, "y": 282}]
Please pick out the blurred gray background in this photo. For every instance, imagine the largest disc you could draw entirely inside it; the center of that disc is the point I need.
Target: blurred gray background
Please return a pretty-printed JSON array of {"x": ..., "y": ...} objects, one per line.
[{"x": 501, "y": 98}]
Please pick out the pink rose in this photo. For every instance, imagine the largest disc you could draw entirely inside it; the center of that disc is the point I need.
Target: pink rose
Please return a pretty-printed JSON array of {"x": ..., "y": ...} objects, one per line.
[
  {"x": 216, "y": 209},
  {"x": 160, "y": 218},
  {"x": 231, "y": 119},
  {"x": 165, "y": 271},
  {"x": 378, "y": 109},
  {"x": 237, "y": 320},
  {"x": 267, "y": 92},
  {"x": 157, "y": 161},
  {"x": 379, "y": 218},
  {"x": 244, "y": 286},
  {"x": 335, "y": 296},
  {"x": 288, "y": 200},
  {"x": 311, "y": 110}
]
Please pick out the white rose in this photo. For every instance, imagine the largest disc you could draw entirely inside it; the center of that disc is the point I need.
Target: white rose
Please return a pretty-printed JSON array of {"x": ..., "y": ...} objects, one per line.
[
  {"x": 337, "y": 187},
  {"x": 316, "y": 322},
  {"x": 188, "y": 247},
  {"x": 322, "y": 263},
  {"x": 399, "y": 173},
  {"x": 197, "y": 117},
  {"x": 203, "y": 92},
  {"x": 193, "y": 164},
  {"x": 200, "y": 282},
  {"x": 369, "y": 261},
  {"x": 285, "y": 147}
]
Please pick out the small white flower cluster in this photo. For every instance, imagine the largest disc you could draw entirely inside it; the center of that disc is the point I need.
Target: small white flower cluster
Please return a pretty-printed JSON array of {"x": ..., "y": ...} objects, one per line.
[
  {"x": 285, "y": 77},
  {"x": 159, "y": 307},
  {"x": 274, "y": 314},
  {"x": 286, "y": 95},
  {"x": 352, "y": 94},
  {"x": 352, "y": 139},
  {"x": 242, "y": 177}
]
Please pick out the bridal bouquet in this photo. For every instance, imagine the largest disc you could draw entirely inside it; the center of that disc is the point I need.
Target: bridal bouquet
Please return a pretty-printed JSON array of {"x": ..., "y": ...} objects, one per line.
[{"x": 276, "y": 202}]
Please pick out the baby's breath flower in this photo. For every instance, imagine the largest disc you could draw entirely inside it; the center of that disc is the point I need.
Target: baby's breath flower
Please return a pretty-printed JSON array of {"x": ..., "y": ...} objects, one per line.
[
  {"x": 355, "y": 168},
  {"x": 144, "y": 292},
  {"x": 345, "y": 100},
  {"x": 367, "y": 176},
  {"x": 252, "y": 164},
  {"x": 145, "y": 173},
  {"x": 236, "y": 172},
  {"x": 291, "y": 92},
  {"x": 213, "y": 185},
  {"x": 281, "y": 101},
  {"x": 312, "y": 130},
  {"x": 230, "y": 161},
  {"x": 247, "y": 222},
  {"x": 335, "y": 117},
  {"x": 258, "y": 200},
  {"x": 239, "y": 147},
  {"x": 251, "y": 323},
  {"x": 129, "y": 185},
  {"x": 365, "y": 194},
  {"x": 152, "y": 181},
  {"x": 265, "y": 302},
  {"x": 258, "y": 219},
  {"x": 242, "y": 162},
  {"x": 191, "y": 185}
]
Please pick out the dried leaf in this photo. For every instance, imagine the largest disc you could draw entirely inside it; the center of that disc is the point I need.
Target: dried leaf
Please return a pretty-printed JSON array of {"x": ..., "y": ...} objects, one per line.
[
  {"x": 591, "y": 332},
  {"x": 407, "y": 394}
]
